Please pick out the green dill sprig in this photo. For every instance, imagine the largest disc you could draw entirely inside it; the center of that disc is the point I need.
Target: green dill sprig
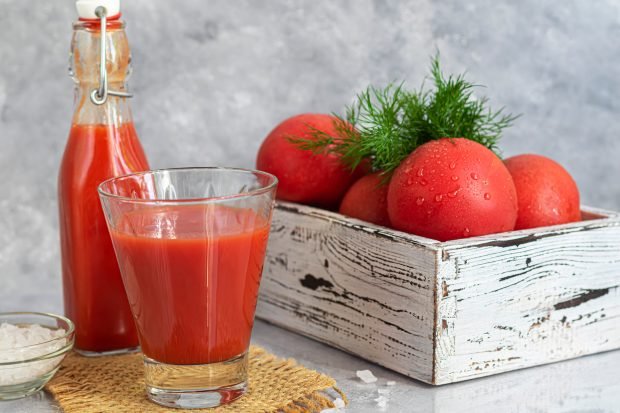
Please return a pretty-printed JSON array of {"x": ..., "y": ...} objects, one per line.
[{"x": 386, "y": 125}]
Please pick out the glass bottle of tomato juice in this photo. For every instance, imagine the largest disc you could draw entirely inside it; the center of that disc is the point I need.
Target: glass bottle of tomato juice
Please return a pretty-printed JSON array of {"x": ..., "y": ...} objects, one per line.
[{"x": 102, "y": 144}]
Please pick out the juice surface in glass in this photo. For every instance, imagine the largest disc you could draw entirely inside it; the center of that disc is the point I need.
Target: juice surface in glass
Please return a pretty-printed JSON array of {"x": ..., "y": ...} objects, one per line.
[
  {"x": 94, "y": 296},
  {"x": 192, "y": 274}
]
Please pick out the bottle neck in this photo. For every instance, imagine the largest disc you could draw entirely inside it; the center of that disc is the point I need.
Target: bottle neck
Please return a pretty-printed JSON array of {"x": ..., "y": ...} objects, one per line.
[
  {"x": 85, "y": 71},
  {"x": 115, "y": 110}
]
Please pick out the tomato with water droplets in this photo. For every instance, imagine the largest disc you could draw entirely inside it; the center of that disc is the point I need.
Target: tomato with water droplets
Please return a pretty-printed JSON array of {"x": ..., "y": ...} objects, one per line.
[{"x": 482, "y": 200}]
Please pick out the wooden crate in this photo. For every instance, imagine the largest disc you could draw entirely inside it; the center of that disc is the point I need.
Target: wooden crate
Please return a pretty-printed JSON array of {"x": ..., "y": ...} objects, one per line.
[{"x": 444, "y": 312}]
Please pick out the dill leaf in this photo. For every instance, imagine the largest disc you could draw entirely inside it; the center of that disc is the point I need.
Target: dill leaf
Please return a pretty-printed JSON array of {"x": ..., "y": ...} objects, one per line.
[{"x": 386, "y": 124}]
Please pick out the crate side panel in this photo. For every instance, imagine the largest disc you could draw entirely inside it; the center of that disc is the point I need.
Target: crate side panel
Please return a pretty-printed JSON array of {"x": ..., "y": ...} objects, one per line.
[
  {"x": 352, "y": 288},
  {"x": 510, "y": 305}
]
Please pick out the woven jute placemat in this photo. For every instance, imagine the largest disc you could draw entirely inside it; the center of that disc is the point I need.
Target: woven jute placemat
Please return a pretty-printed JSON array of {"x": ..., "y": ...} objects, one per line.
[{"x": 116, "y": 384}]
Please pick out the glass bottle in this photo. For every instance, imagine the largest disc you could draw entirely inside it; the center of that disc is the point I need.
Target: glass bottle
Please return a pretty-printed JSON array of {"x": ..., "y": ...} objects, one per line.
[{"x": 102, "y": 144}]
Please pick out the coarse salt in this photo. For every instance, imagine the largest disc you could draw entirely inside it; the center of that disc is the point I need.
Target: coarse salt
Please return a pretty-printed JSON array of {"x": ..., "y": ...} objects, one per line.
[
  {"x": 390, "y": 383},
  {"x": 366, "y": 376},
  {"x": 338, "y": 404},
  {"x": 19, "y": 343}
]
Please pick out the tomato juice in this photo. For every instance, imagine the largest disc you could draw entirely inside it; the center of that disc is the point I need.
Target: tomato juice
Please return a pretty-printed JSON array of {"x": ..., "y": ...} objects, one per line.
[
  {"x": 192, "y": 274},
  {"x": 94, "y": 296}
]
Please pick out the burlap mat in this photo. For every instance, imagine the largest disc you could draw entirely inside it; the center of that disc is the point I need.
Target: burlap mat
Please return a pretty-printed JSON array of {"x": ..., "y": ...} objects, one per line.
[{"x": 116, "y": 384}]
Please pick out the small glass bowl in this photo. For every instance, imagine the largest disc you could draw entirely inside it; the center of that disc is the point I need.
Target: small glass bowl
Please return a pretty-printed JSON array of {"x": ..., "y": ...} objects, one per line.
[{"x": 25, "y": 370}]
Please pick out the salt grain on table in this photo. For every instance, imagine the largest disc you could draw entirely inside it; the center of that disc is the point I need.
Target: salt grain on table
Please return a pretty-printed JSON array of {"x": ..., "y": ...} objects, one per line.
[
  {"x": 366, "y": 376},
  {"x": 381, "y": 401},
  {"x": 338, "y": 404},
  {"x": 14, "y": 338},
  {"x": 390, "y": 383}
]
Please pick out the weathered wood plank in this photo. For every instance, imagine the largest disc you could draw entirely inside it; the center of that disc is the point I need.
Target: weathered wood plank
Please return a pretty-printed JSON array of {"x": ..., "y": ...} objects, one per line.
[
  {"x": 353, "y": 287},
  {"x": 516, "y": 302}
]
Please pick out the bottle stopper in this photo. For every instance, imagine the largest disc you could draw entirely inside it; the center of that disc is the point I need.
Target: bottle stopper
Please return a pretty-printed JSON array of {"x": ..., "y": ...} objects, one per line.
[{"x": 87, "y": 9}]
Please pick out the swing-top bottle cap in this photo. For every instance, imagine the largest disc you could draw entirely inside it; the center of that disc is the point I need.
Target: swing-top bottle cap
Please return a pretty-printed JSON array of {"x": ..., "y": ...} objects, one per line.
[{"x": 86, "y": 9}]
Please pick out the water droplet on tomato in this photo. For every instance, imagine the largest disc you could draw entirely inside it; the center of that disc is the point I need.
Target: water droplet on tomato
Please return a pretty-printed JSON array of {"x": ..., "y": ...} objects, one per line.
[
  {"x": 487, "y": 196},
  {"x": 555, "y": 211},
  {"x": 423, "y": 182},
  {"x": 474, "y": 176},
  {"x": 432, "y": 188},
  {"x": 432, "y": 171},
  {"x": 485, "y": 182},
  {"x": 452, "y": 165},
  {"x": 438, "y": 198},
  {"x": 420, "y": 200},
  {"x": 409, "y": 181},
  {"x": 454, "y": 193},
  {"x": 466, "y": 232},
  {"x": 420, "y": 172},
  {"x": 455, "y": 178}
]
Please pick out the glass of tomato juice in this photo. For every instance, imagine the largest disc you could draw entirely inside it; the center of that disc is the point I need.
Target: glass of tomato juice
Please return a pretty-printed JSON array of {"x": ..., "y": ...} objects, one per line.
[{"x": 190, "y": 244}]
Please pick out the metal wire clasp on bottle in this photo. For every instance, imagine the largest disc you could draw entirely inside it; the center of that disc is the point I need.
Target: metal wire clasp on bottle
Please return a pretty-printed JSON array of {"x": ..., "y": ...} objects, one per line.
[{"x": 100, "y": 95}]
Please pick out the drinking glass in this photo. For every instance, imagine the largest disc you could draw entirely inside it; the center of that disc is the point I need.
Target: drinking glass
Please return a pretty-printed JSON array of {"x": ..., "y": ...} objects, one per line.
[{"x": 190, "y": 244}]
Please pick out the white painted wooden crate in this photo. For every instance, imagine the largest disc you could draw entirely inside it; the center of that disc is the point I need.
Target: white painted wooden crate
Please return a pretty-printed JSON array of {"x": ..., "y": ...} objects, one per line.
[{"x": 443, "y": 312}]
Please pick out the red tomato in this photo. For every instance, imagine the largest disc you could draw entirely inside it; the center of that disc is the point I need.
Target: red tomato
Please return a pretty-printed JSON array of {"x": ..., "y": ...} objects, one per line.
[
  {"x": 452, "y": 188},
  {"x": 546, "y": 193},
  {"x": 367, "y": 200},
  {"x": 305, "y": 177}
]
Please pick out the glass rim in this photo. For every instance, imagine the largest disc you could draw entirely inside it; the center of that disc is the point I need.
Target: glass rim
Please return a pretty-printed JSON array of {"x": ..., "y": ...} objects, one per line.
[{"x": 241, "y": 195}]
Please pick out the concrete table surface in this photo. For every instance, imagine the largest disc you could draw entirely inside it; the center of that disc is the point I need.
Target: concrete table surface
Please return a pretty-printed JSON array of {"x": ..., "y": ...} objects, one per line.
[{"x": 585, "y": 385}]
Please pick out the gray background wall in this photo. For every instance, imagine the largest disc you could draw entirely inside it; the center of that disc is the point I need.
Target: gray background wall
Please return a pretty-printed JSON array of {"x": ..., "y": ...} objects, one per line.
[{"x": 213, "y": 77}]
